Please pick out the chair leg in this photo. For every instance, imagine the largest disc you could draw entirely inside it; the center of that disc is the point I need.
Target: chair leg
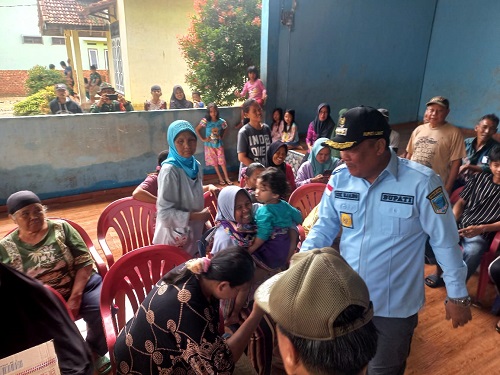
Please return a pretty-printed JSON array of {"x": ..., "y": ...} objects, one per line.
[
  {"x": 484, "y": 277},
  {"x": 495, "y": 309}
]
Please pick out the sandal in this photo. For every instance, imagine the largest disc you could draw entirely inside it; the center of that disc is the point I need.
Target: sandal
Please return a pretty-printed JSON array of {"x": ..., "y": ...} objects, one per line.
[
  {"x": 434, "y": 281},
  {"x": 222, "y": 182},
  {"x": 102, "y": 365},
  {"x": 229, "y": 182}
]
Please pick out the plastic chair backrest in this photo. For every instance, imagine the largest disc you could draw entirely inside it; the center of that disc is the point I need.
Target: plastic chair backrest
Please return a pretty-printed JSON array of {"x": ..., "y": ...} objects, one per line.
[
  {"x": 133, "y": 221},
  {"x": 128, "y": 282},
  {"x": 455, "y": 194},
  {"x": 486, "y": 259},
  {"x": 210, "y": 202},
  {"x": 205, "y": 242},
  {"x": 243, "y": 181},
  {"x": 306, "y": 197},
  {"x": 101, "y": 266}
]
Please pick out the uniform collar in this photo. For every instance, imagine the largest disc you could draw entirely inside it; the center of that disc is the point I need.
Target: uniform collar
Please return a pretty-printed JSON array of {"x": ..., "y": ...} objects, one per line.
[{"x": 392, "y": 167}]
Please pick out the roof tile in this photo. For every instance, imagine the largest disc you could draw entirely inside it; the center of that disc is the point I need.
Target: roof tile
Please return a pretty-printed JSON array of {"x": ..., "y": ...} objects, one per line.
[{"x": 68, "y": 13}]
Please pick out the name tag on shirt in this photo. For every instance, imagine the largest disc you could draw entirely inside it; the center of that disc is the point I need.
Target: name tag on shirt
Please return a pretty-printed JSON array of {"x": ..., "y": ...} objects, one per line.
[
  {"x": 347, "y": 195},
  {"x": 397, "y": 198}
]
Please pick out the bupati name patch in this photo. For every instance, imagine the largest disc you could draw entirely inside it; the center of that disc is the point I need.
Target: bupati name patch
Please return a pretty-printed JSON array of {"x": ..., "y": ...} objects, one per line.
[
  {"x": 347, "y": 195},
  {"x": 397, "y": 198}
]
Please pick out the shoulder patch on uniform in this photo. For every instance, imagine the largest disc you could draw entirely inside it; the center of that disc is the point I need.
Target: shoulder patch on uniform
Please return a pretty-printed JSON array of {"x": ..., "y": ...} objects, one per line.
[{"x": 438, "y": 200}]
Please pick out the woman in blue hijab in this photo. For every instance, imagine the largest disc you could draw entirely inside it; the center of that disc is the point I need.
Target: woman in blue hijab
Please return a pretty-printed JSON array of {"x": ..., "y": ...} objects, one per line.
[
  {"x": 319, "y": 165},
  {"x": 181, "y": 215}
]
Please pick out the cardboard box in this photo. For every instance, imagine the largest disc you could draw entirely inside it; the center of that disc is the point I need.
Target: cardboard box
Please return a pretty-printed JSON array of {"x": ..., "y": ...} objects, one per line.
[{"x": 38, "y": 360}]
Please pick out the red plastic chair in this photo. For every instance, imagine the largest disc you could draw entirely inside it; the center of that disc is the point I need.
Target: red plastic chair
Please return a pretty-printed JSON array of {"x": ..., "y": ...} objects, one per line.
[
  {"x": 132, "y": 220},
  {"x": 210, "y": 202},
  {"x": 128, "y": 282},
  {"x": 243, "y": 181},
  {"x": 100, "y": 265},
  {"x": 455, "y": 195},
  {"x": 306, "y": 197},
  {"x": 487, "y": 258}
]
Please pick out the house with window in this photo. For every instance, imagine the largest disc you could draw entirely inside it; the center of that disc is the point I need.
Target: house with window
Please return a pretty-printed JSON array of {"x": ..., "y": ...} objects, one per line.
[
  {"x": 141, "y": 40},
  {"x": 24, "y": 46}
]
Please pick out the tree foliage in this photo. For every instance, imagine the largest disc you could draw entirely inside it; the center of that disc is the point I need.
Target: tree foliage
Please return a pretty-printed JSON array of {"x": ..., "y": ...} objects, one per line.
[
  {"x": 222, "y": 41},
  {"x": 40, "y": 77},
  {"x": 36, "y": 104}
]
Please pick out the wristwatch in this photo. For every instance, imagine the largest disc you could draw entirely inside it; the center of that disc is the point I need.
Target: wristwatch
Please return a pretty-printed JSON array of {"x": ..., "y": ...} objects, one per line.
[{"x": 464, "y": 301}]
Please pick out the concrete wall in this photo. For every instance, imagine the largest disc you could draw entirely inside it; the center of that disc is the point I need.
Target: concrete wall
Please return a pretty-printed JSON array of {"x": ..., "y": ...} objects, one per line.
[
  {"x": 150, "y": 52},
  {"x": 64, "y": 155},
  {"x": 464, "y": 60},
  {"x": 347, "y": 53}
]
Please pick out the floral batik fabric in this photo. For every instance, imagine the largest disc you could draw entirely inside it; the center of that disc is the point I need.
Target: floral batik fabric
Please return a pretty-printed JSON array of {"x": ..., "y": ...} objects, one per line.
[{"x": 175, "y": 331}]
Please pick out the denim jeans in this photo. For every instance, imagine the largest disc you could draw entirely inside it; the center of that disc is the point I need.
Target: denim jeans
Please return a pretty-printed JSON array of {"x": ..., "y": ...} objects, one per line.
[
  {"x": 90, "y": 312},
  {"x": 473, "y": 250}
]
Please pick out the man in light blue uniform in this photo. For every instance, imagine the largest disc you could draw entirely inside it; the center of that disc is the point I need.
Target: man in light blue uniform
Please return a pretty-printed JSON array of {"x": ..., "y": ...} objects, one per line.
[{"x": 387, "y": 208}]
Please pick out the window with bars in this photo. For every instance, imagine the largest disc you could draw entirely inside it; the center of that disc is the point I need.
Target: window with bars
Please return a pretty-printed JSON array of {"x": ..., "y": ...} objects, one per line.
[
  {"x": 106, "y": 61},
  {"x": 32, "y": 39},
  {"x": 56, "y": 41},
  {"x": 93, "y": 57}
]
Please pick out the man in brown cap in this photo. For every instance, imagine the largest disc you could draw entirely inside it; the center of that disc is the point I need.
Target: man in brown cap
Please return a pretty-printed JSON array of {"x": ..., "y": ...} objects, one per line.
[
  {"x": 323, "y": 314},
  {"x": 437, "y": 144},
  {"x": 110, "y": 101}
]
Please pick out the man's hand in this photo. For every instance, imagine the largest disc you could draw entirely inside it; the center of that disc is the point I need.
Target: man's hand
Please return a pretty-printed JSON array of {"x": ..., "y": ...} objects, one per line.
[
  {"x": 470, "y": 167},
  {"x": 320, "y": 179},
  {"x": 121, "y": 99},
  {"x": 103, "y": 99},
  {"x": 471, "y": 231},
  {"x": 459, "y": 315}
]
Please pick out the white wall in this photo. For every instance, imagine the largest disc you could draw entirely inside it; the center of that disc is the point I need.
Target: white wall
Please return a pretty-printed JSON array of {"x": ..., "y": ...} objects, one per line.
[{"x": 20, "y": 17}]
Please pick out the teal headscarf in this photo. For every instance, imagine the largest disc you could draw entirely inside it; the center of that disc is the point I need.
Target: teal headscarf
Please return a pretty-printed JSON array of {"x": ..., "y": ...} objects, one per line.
[
  {"x": 189, "y": 165},
  {"x": 317, "y": 167}
]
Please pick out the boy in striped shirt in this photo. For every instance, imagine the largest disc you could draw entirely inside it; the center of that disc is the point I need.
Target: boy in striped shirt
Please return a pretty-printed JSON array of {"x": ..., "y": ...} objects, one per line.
[{"x": 478, "y": 213}]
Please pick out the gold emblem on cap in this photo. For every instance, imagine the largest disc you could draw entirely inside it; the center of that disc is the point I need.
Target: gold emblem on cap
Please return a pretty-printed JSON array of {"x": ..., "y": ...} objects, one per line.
[
  {"x": 342, "y": 121},
  {"x": 339, "y": 146}
]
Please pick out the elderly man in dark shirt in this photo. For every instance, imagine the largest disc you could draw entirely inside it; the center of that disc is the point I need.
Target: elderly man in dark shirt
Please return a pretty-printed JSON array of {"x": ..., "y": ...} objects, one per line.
[
  {"x": 62, "y": 103},
  {"x": 478, "y": 148}
]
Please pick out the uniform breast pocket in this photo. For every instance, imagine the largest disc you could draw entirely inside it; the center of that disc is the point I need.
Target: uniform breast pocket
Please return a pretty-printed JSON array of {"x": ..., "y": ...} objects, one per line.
[
  {"x": 347, "y": 212},
  {"x": 398, "y": 219}
]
